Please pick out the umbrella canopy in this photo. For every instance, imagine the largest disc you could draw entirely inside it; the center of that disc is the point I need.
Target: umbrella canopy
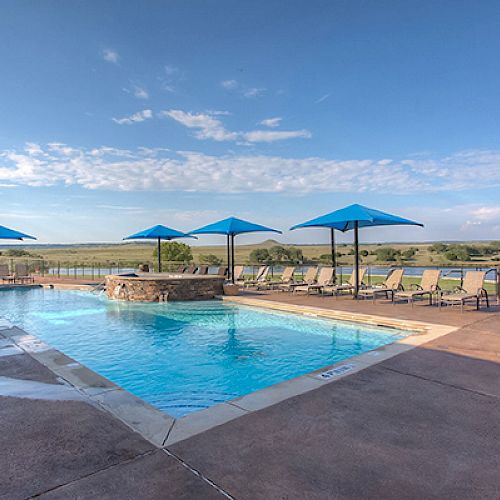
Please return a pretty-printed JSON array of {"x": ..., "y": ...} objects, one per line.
[
  {"x": 11, "y": 234},
  {"x": 354, "y": 217},
  {"x": 231, "y": 227},
  {"x": 158, "y": 233}
]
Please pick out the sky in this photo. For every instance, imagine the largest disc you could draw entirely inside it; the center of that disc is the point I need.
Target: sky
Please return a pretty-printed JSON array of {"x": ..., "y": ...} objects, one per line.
[{"x": 119, "y": 115}]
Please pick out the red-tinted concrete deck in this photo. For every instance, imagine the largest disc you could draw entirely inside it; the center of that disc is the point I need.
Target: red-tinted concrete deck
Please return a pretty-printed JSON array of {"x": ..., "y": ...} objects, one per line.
[{"x": 424, "y": 424}]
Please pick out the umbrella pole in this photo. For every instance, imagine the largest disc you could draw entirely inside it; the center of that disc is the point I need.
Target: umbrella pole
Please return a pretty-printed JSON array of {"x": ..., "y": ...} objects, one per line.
[
  {"x": 356, "y": 259},
  {"x": 159, "y": 254},
  {"x": 334, "y": 259},
  {"x": 228, "y": 258},
  {"x": 232, "y": 257}
]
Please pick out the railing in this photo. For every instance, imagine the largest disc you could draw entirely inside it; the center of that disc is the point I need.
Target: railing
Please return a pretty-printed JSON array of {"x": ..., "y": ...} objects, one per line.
[{"x": 96, "y": 270}]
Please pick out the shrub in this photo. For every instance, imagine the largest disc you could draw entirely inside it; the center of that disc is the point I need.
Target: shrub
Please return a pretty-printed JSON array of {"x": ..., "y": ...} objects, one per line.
[
  {"x": 16, "y": 252},
  {"x": 260, "y": 255},
  {"x": 438, "y": 248},
  {"x": 409, "y": 253},
  {"x": 210, "y": 259},
  {"x": 387, "y": 254},
  {"x": 173, "y": 251}
]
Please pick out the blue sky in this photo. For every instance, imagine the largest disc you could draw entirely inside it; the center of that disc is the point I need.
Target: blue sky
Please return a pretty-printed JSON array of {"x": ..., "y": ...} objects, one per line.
[{"x": 119, "y": 115}]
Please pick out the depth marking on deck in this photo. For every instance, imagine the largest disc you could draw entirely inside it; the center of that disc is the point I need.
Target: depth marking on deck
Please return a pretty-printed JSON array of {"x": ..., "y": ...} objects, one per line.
[{"x": 336, "y": 372}]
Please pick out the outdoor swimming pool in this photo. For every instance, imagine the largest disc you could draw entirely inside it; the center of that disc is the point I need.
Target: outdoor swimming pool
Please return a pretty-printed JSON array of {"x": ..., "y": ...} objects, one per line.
[{"x": 186, "y": 356}]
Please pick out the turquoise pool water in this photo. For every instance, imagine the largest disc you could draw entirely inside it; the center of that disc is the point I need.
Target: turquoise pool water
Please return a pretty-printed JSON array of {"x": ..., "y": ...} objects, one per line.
[{"x": 186, "y": 356}]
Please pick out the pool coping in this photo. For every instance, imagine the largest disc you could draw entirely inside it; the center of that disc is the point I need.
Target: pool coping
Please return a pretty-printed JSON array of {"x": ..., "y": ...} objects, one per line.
[{"x": 163, "y": 430}]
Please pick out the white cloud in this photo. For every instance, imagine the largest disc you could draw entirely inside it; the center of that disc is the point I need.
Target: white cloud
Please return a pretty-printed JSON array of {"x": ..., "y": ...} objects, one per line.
[
  {"x": 138, "y": 170},
  {"x": 138, "y": 117},
  {"x": 209, "y": 127},
  {"x": 271, "y": 122},
  {"x": 486, "y": 214},
  {"x": 137, "y": 91},
  {"x": 229, "y": 84},
  {"x": 140, "y": 92},
  {"x": 206, "y": 125},
  {"x": 171, "y": 77},
  {"x": 254, "y": 92},
  {"x": 110, "y": 55},
  {"x": 170, "y": 70},
  {"x": 322, "y": 98},
  {"x": 275, "y": 135},
  {"x": 243, "y": 90}
]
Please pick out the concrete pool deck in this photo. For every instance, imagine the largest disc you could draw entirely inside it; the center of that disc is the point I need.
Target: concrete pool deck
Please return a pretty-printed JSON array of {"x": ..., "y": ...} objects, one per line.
[{"x": 421, "y": 424}]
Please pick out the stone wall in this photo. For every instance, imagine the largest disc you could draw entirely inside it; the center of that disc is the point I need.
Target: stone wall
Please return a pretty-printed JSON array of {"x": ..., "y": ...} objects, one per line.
[{"x": 150, "y": 288}]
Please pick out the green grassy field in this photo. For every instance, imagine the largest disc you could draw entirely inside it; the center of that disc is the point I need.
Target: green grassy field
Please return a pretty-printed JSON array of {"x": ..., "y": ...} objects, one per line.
[{"x": 134, "y": 253}]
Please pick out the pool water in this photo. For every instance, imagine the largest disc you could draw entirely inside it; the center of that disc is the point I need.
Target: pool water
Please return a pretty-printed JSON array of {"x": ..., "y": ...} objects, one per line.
[{"x": 186, "y": 356}]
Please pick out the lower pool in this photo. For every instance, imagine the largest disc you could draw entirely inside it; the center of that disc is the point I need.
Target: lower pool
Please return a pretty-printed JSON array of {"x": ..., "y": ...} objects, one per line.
[{"x": 186, "y": 356}]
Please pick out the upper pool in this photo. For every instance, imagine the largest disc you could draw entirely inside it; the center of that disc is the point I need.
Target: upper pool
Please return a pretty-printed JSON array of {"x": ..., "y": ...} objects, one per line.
[{"x": 185, "y": 356}]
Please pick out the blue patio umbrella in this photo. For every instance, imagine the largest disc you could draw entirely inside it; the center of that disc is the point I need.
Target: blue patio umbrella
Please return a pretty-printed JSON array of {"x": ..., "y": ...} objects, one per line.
[
  {"x": 231, "y": 227},
  {"x": 354, "y": 217},
  {"x": 158, "y": 233},
  {"x": 11, "y": 234}
]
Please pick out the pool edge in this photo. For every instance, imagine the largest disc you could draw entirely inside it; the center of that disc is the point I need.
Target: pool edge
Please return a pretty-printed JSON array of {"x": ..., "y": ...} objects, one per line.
[{"x": 162, "y": 430}]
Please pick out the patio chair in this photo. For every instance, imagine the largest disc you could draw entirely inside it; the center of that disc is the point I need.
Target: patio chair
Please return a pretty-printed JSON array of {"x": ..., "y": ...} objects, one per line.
[
  {"x": 391, "y": 284},
  {"x": 325, "y": 278},
  {"x": 222, "y": 271},
  {"x": 345, "y": 287},
  {"x": 22, "y": 274},
  {"x": 472, "y": 289},
  {"x": 429, "y": 285},
  {"x": 238, "y": 274},
  {"x": 5, "y": 273},
  {"x": 286, "y": 278},
  {"x": 260, "y": 278},
  {"x": 202, "y": 270},
  {"x": 308, "y": 279}
]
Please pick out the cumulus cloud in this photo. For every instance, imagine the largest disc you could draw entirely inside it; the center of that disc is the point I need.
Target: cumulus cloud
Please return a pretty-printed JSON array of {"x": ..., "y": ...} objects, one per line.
[
  {"x": 209, "y": 127},
  {"x": 157, "y": 170},
  {"x": 110, "y": 55},
  {"x": 138, "y": 117},
  {"x": 271, "y": 122}
]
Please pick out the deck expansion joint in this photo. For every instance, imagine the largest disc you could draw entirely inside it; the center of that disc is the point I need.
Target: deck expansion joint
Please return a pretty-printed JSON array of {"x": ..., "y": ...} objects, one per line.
[
  {"x": 438, "y": 382},
  {"x": 197, "y": 473},
  {"x": 90, "y": 474}
]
